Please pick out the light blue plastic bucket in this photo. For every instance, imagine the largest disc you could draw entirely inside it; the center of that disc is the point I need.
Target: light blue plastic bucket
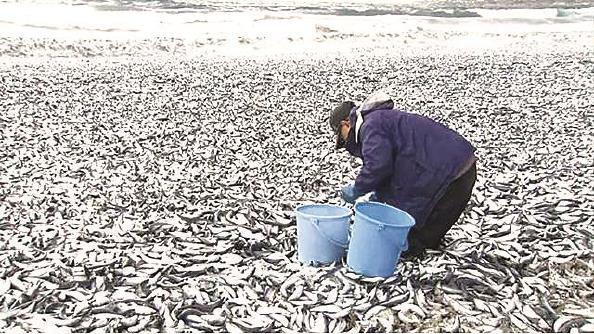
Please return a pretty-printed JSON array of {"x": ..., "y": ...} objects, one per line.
[
  {"x": 378, "y": 237},
  {"x": 322, "y": 233}
]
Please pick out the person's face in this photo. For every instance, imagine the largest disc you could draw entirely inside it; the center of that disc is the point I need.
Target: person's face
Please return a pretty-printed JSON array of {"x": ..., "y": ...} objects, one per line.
[{"x": 345, "y": 127}]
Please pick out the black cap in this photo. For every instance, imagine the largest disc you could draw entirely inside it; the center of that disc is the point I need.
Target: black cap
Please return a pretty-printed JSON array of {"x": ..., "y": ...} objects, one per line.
[{"x": 339, "y": 114}]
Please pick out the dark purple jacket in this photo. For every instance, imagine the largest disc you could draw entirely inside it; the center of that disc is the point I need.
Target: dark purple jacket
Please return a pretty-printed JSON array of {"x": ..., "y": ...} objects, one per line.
[{"x": 408, "y": 160}]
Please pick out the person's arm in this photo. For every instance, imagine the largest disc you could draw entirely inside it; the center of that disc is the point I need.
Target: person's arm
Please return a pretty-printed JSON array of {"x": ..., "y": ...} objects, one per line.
[{"x": 377, "y": 152}]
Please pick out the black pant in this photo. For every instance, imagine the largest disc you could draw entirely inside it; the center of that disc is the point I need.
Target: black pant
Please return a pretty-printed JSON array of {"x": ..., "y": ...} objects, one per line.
[{"x": 445, "y": 213}]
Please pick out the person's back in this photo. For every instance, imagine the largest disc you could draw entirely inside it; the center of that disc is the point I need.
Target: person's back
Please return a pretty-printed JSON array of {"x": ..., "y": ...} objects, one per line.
[{"x": 421, "y": 139}]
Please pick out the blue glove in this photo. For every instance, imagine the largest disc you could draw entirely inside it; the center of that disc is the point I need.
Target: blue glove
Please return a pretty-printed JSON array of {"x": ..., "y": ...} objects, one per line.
[{"x": 350, "y": 193}]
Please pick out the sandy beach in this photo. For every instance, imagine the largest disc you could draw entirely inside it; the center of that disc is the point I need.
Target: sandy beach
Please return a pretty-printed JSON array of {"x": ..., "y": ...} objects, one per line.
[{"x": 157, "y": 192}]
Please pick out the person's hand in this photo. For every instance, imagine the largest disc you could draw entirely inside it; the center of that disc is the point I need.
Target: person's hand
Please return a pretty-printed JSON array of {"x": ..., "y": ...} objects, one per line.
[{"x": 350, "y": 193}]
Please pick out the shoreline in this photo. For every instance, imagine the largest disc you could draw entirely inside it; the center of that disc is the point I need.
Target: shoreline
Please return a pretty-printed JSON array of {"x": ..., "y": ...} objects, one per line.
[{"x": 15, "y": 48}]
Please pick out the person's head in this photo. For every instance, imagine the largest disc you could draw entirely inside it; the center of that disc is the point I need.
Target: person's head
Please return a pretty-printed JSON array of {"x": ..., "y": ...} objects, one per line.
[{"x": 340, "y": 123}]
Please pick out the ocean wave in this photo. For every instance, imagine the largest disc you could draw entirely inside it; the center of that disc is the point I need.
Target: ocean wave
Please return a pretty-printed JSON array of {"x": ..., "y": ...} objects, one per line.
[
  {"x": 310, "y": 8},
  {"x": 275, "y": 17},
  {"x": 563, "y": 12},
  {"x": 68, "y": 28},
  {"x": 412, "y": 12},
  {"x": 349, "y": 7},
  {"x": 196, "y": 21},
  {"x": 346, "y": 11},
  {"x": 68, "y": 21},
  {"x": 147, "y": 5}
]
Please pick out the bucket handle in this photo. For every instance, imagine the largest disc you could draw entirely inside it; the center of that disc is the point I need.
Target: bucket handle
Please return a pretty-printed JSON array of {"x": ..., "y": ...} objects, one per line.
[
  {"x": 381, "y": 227},
  {"x": 316, "y": 224}
]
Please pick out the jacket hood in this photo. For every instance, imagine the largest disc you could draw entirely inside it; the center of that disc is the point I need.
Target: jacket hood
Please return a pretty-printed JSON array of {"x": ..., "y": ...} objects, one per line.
[{"x": 376, "y": 101}]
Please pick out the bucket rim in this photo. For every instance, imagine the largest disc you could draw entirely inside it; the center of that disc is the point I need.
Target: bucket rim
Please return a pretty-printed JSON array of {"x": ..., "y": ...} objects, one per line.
[
  {"x": 348, "y": 212},
  {"x": 375, "y": 221}
]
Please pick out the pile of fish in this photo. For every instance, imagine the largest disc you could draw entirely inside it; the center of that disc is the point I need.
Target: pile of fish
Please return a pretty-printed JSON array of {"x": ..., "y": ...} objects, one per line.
[{"x": 158, "y": 194}]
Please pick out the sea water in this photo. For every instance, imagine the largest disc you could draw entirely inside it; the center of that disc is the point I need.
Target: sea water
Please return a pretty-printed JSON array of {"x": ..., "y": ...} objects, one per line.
[{"x": 294, "y": 25}]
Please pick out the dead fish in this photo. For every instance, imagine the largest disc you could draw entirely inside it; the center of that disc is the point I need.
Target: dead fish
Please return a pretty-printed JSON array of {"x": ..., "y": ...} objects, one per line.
[
  {"x": 396, "y": 300},
  {"x": 254, "y": 324},
  {"x": 409, "y": 313},
  {"x": 345, "y": 311},
  {"x": 332, "y": 297},
  {"x": 213, "y": 320},
  {"x": 143, "y": 213},
  {"x": 281, "y": 319},
  {"x": 518, "y": 322},
  {"x": 564, "y": 323},
  {"x": 297, "y": 293},
  {"x": 140, "y": 326},
  {"x": 232, "y": 328},
  {"x": 197, "y": 309}
]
